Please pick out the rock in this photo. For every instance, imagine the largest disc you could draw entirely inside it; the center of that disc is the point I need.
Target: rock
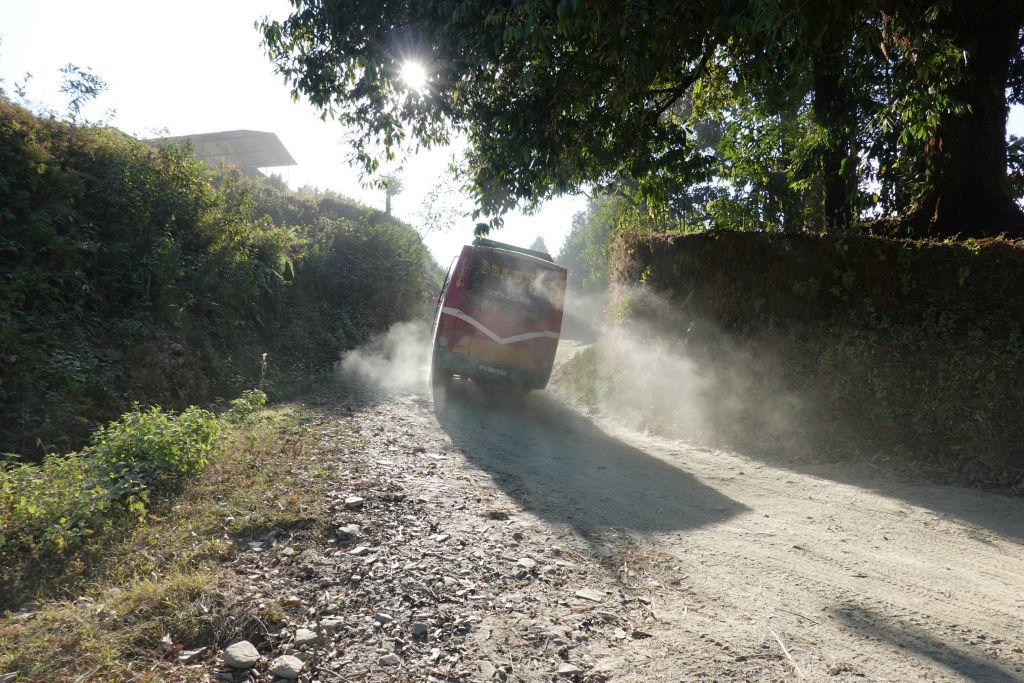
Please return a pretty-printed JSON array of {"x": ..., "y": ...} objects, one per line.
[
  {"x": 286, "y": 666},
  {"x": 304, "y": 636},
  {"x": 354, "y": 503},
  {"x": 289, "y": 552},
  {"x": 518, "y": 536},
  {"x": 331, "y": 624},
  {"x": 527, "y": 564},
  {"x": 382, "y": 618},
  {"x": 419, "y": 629},
  {"x": 308, "y": 556},
  {"x": 590, "y": 594},
  {"x": 348, "y": 533},
  {"x": 291, "y": 601},
  {"x": 184, "y": 657},
  {"x": 609, "y": 617},
  {"x": 241, "y": 655},
  {"x": 569, "y": 670},
  {"x": 389, "y": 660},
  {"x": 441, "y": 538},
  {"x": 359, "y": 551},
  {"x": 487, "y": 670}
]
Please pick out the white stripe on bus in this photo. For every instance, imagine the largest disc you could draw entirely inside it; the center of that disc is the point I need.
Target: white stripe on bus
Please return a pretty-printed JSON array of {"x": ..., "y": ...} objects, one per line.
[{"x": 501, "y": 340}]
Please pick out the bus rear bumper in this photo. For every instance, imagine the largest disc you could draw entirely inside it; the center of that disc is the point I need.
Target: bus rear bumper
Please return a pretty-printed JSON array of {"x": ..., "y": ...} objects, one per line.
[{"x": 462, "y": 365}]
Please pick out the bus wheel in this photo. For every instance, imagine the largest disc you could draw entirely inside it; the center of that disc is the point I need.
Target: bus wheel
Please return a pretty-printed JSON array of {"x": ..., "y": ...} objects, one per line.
[{"x": 440, "y": 379}]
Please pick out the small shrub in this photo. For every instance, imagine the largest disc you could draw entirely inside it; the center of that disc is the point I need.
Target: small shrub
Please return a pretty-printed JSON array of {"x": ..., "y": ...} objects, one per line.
[
  {"x": 249, "y": 403},
  {"x": 146, "y": 446}
]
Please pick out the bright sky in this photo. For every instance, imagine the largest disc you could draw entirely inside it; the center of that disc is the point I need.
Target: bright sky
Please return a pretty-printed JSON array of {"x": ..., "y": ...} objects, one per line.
[{"x": 197, "y": 67}]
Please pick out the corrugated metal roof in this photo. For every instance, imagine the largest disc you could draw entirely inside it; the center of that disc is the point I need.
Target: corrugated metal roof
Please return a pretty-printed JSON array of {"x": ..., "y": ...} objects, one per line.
[{"x": 247, "y": 149}]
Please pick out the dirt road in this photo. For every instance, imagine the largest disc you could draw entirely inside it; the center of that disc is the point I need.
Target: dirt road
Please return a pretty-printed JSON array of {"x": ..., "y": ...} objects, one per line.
[{"x": 609, "y": 555}]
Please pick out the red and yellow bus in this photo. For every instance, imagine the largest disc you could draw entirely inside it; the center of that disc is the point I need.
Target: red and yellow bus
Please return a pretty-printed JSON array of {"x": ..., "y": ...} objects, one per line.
[{"x": 499, "y": 316}]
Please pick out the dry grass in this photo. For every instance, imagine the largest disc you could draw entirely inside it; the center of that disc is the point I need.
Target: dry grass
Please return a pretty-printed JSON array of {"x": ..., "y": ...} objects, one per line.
[{"x": 106, "y": 613}]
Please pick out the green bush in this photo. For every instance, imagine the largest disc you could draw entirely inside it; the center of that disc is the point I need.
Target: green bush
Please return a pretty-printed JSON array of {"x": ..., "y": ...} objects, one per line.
[
  {"x": 52, "y": 505},
  {"x": 245, "y": 406},
  {"x": 171, "y": 282},
  {"x": 146, "y": 446}
]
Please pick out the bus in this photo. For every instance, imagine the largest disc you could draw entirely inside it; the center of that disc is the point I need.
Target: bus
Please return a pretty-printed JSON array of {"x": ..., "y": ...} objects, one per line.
[{"x": 499, "y": 316}]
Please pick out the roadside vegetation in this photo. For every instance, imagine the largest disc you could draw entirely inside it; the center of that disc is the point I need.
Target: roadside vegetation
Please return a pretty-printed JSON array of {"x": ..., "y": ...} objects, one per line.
[
  {"x": 141, "y": 584},
  {"x": 134, "y": 275}
]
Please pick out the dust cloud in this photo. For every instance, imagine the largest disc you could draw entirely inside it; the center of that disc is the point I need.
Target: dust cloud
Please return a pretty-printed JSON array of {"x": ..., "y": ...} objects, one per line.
[
  {"x": 659, "y": 370},
  {"x": 396, "y": 361}
]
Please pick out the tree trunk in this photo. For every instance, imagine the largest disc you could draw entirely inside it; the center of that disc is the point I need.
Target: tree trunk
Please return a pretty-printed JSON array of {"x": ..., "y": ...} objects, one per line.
[
  {"x": 967, "y": 191},
  {"x": 834, "y": 112}
]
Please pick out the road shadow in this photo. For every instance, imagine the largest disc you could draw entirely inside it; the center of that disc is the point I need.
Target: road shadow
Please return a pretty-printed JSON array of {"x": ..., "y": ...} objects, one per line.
[
  {"x": 560, "y": 466},
  {"x": 987, "y": 512},
  {"x": 973, "y": 666}
]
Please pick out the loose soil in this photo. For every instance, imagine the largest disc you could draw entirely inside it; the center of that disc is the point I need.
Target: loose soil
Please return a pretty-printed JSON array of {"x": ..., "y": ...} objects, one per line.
[{"x": 516, "y": 539}]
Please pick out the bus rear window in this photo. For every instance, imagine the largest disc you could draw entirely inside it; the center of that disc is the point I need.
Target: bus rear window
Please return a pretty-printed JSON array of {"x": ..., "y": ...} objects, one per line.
[{"x": 509, "y": 285}]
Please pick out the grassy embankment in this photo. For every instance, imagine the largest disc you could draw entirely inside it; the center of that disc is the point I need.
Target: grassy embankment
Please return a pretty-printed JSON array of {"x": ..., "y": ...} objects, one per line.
[
  {"x": 101, "y": 606},
  {"x": 895, "y": 352},
  {"x": 128, "y": 274}
]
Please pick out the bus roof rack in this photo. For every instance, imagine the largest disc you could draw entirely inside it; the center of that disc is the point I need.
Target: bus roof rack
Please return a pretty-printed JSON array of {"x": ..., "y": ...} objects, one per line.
[{"x": 484, "y": 242}]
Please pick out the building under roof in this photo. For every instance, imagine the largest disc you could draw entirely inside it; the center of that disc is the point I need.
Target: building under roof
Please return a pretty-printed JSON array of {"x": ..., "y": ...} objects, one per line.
[{"x": 249, "y": 150}]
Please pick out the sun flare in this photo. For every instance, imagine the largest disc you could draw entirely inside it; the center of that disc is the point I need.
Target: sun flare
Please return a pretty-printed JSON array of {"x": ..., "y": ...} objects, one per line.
[{"x": 414, "y": 75}]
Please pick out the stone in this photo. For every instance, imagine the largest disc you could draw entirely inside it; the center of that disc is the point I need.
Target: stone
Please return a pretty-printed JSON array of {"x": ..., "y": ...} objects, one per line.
[
  {"x": 382, "y": 618},
  {"x": 389, "y": 660},
  {"x": 527, "y": 564},
  {"x": 419, "y": 629},
  {"x": 241, "y": 655},
  {"x": 331, "y": 624},
  {"x": 184, "y": 657},
  {"x": 590, "y": 594},
  {"x": 359, "y": 551},
  {"x": 304, "y": 636},
  {"x": 354, "y": 503},
  {"x": 286, "y": 666},
  {"x": 487, "y": 670},
  {"x": 348, "y": 533},
  {"x": 608, "y": 617},
  {"x": 569, "y": 670}
]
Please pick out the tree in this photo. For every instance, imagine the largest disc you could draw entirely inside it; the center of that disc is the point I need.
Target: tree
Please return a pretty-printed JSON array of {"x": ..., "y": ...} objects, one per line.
[
  {"x": 962, "y": 57},
  {"x": 550, "y": 95},
  {"x": 553, "y": 96},
  {"x": 584, "y": 252},
  {"x": 538, "y": 245},
  {"x": 444, "y": 207},
  {"x": 81, "y": 86},
  {"x": 392, "y": 185}
]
